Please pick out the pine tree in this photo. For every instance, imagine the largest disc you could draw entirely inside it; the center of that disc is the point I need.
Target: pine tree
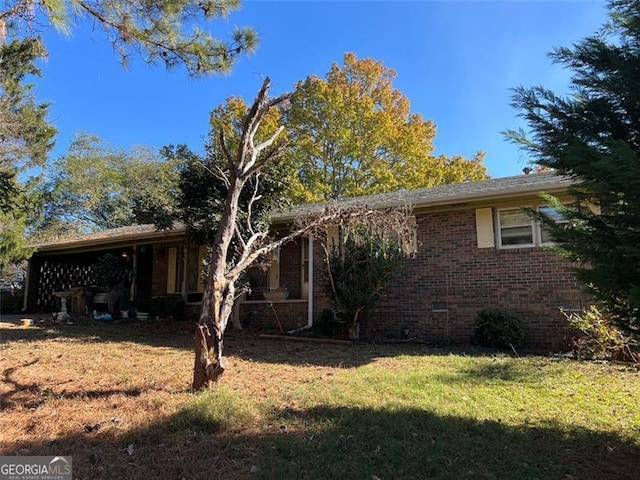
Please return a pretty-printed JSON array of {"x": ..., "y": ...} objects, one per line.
[
  {"x": 593, "y": 135},
  {"x": 170, "y": 32}
]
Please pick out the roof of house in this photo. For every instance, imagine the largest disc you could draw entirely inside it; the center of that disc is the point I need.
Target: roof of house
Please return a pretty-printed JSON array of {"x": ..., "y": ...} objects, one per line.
[
  {"x": 111, "y": 236},
  {"x": 494, "y": 188}
]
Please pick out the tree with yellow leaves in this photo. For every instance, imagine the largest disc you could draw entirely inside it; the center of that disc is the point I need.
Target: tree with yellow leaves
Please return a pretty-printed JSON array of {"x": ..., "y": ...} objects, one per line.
[{"x": 354, "y": 134}]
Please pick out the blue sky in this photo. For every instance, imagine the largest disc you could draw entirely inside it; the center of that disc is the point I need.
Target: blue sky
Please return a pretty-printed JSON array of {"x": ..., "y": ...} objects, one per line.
[{"x": 456, "y": 62}]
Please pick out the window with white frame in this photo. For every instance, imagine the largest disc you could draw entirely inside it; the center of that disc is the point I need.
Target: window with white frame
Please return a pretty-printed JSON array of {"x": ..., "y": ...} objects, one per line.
[
  {"x": 515, "y": 228},
  {"x": 544, "y": 234}
]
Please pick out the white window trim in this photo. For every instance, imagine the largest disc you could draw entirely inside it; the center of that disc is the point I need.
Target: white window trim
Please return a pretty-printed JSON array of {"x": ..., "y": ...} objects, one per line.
[
  {"x": 536, "y": 230},
  {"x": 539, "y": 225},
  {"x": 499, "y": 230}
]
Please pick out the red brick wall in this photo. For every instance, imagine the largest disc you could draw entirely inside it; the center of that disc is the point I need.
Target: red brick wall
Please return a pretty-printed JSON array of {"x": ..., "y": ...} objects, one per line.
[
  {"x": 454, "y": 277},
  {"x": 437, "y": 294},
  {"x": 290, "y": 271},
  {"x": 451, "y": 275},
  {"x": 292, "y": 314}
]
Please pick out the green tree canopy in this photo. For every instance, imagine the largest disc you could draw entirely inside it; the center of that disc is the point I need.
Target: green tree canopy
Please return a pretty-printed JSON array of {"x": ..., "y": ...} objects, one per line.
[
  {"x": 353, "y": 134},
  {"x": 25, "y": 135},
  {"x": 167, "y": 31},
  {"x": 593, "y": 135},
  {"x": 13, "y": 247},
  {"x": 95, "y": 186},
  {"x": 25, "y": 140},
  {"x": 170, "y": 32}
]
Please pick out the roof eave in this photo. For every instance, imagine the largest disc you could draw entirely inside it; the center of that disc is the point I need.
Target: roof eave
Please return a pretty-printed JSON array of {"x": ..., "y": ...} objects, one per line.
[
  {"x": 517, "y": 192},
  {"x": 133, "y": 238},
  {"x": 500, "y": 195}
]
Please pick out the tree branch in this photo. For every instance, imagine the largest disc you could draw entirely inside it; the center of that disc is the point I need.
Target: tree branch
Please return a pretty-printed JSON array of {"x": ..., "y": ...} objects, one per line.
[{"x": 225, "y": 149}]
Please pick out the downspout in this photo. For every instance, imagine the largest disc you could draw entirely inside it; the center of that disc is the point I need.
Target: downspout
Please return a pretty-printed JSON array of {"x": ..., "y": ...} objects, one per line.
[
  {"x": 133, "y": 288},
  {"x": 27, "y": 279},
  {"x": 310, "y": 296},
  {"x": 183, "y": 286}
]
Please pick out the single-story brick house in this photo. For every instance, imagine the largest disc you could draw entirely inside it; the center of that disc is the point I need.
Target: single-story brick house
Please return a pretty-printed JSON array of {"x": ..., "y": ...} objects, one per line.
[{"x": 477, "y": 248}]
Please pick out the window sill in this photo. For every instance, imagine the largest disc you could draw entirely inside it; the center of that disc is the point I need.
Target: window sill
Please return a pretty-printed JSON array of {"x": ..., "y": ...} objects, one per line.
[
  {"x": 262, "y": 301},
  {"x": 515, "y": 247}
]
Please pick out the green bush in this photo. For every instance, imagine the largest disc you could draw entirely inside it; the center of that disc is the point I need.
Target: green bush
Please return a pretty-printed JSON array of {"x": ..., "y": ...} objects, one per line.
[
  {"x": 167, "y": 306},
  {"x": 358, "y": 273},
  {"x": 324, "y": 323},
  {"x": 11, "y": 303},
  {"x": 598, "y": 338},
  {"x": 497, "y": 328}
]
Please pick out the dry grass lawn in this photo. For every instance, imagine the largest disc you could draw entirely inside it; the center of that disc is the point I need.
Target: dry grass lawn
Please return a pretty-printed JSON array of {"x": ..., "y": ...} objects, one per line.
[{"x": 117, "y": 398}]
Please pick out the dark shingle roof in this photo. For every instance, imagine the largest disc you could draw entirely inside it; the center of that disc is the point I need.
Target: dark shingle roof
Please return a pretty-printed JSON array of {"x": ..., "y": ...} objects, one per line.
[
  {"x": 111, "y": 236},
  {"x": 449, "y": 194}
]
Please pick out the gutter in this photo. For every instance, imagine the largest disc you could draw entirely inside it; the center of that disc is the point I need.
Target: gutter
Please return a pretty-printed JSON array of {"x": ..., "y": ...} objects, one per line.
[{"x": 93, "y": 243}]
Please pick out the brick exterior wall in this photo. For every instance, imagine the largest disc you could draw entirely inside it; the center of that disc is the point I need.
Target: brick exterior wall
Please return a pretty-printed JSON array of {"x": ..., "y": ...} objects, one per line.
[
  {"x": 259, "y": 314},
  {"x": 437, "y": 294},
  {"x": 290, "y": 271}
]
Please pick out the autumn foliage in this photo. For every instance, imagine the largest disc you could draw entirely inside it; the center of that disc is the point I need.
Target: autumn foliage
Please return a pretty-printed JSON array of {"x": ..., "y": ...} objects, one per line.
[{"x": 353, "y": 134}]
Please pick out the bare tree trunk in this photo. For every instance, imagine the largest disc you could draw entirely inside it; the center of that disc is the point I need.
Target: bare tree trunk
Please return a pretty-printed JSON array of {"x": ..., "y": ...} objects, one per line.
[
  {"x": 209, "y": 362},
  {"x": 249, "y": 240},
  {"x": 354, "y": 328}
]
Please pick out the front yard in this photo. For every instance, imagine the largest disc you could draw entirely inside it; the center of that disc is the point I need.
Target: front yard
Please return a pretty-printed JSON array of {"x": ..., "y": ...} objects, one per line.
[{"x": 117, "y": 399}]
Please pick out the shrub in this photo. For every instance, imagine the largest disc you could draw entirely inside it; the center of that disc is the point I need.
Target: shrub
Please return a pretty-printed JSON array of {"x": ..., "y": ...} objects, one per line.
[
  {"x": 324, "y": 323},
  {"x": 497, "y": 328},
  {"x": 358, "y": 273},
  {"x": 167, "y": 306},
  {"x": 598, "y": 338},
  {"x": 11, "y": 303}
]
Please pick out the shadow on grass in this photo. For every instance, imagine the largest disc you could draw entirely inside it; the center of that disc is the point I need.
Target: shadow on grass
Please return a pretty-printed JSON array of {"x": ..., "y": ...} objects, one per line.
[
  {"x": 358, "y": 354},
  {"x": 247, "y": 345},
  {"x": 32, "y": 395},
  {"x": 174, "y": 335},
  {"x": 337, "y": 443},
  {"x": 501, "y": 370}
]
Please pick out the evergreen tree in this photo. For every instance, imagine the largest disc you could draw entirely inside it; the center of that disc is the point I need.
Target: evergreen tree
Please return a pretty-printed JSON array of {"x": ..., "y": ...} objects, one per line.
[
  {"x": 593, "y": 135},
  {"x": 25, "y": 135},
  {"x": 166, "y": 31},
  {"x": 169, "y": 32},
  {"x": 25, "y": 140}
]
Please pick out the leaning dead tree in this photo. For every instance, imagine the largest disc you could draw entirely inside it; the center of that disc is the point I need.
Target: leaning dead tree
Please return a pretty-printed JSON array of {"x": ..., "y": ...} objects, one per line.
[{"x": 241, "y": 240}]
